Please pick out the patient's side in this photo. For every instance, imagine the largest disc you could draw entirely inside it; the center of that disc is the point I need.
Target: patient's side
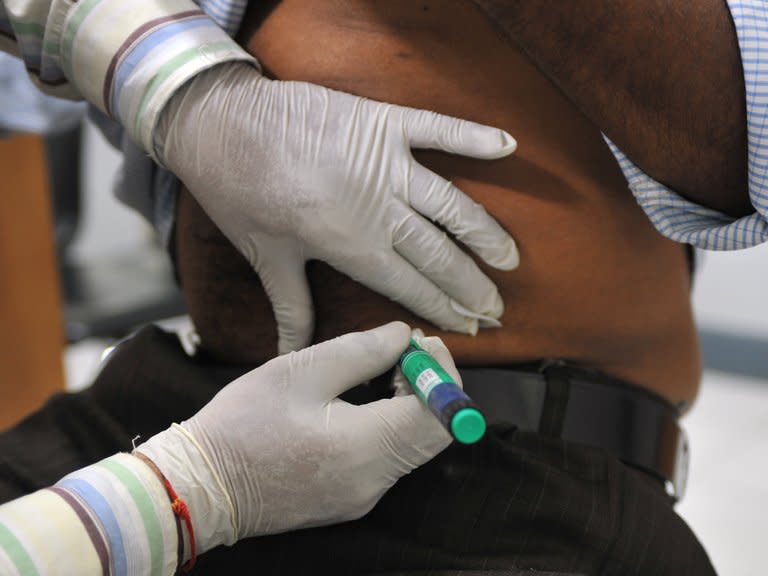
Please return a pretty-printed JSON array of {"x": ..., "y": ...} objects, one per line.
[{"x": 596, "y": 284}]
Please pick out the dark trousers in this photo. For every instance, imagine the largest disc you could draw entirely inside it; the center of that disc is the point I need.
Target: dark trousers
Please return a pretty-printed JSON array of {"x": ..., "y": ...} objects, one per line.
[{"x": 515, "y": 503}]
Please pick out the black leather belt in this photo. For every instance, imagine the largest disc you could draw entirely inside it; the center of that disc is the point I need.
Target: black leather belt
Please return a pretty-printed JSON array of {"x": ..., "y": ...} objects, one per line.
[{"x": 559, "y": 400}]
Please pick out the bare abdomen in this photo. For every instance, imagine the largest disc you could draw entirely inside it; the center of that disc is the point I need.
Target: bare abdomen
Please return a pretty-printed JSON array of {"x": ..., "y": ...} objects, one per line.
[{"x": 596, "y": 284}]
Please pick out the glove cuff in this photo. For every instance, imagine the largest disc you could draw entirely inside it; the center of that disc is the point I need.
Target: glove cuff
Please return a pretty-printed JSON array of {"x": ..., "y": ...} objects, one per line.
[
  {"x": 184, "y": 105},
  {"x": 186, "y": 466}
]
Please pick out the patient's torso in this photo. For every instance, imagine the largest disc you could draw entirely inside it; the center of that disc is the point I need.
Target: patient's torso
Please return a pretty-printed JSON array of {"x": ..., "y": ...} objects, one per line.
[{"x": 596, "y": 284}]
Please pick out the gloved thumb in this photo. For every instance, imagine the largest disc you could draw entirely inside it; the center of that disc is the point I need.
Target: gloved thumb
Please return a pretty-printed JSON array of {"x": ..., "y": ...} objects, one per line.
[
  {"x": 346, "y": 361},
  {"x": 281, "y": 270}
]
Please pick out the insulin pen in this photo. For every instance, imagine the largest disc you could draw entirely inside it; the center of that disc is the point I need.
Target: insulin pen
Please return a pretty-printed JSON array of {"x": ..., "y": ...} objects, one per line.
[{"x": 447, "y": 401}]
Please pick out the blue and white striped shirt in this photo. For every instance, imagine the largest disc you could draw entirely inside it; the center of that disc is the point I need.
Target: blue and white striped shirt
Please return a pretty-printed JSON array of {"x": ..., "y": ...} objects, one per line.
[{"x": 685, "y": 221}]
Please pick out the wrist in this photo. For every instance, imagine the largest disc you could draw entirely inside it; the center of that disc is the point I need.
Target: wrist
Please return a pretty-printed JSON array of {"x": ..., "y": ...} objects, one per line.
[
  {"x": 126, "y": 507},
  {"x": 186, "y": 554},
  {"x": 180, "y": 460},
  {"x": 206, "y": 91}
]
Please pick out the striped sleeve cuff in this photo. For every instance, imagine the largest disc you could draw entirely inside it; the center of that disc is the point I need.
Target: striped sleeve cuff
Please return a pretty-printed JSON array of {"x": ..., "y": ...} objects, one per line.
[
  {"x": 38, "y": 534},
  {"x": 129, "y": 58},
  {"x": 115, "y": 515},
  {"x": 131, "y": 514},
  {"x": 29, "y": 29},
  {"x": 685, "y": 221}
]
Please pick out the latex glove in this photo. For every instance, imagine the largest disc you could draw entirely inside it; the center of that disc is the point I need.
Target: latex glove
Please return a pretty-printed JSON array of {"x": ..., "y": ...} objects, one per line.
[
  {"x": 291, "y": 171},
  {"x": 276, "y": 450}
]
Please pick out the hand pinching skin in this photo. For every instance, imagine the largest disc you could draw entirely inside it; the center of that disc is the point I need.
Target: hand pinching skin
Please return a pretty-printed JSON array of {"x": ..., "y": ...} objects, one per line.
[{"x": 291, "y": 171}]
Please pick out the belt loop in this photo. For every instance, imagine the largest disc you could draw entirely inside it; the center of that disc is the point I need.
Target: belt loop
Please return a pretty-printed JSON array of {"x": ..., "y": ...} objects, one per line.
[{"x": 556, "y": 399}]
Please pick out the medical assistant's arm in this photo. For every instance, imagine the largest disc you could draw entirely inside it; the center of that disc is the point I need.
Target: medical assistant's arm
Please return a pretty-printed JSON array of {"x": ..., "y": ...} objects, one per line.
[
  {"x": 664, "y": 81},
  {"x": 275, "y": 450},
  {"x": 115, "y": 513},
  {"x": 125, "y": 58}
]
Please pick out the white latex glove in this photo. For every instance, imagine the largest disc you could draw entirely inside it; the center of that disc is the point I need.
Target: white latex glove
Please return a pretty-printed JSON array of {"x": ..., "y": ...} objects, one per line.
[
  {"x": 292, "y": 171},
  {"x": 276, "y": 450}
]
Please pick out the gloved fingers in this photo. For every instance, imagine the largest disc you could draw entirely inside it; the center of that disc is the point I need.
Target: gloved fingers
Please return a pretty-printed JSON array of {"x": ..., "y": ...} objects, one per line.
[
  {"x": 285, "y": 281},
  {"x": 439, "y": 132},
  {"x": 438, "y": 258},
  {"x": 442, "y": 202},
  {"x": 337, "y": 365},
  {"x": 390, "y": 274},
  {"x": 400, "y": 383},
  {"x": 406, "y": 431}
]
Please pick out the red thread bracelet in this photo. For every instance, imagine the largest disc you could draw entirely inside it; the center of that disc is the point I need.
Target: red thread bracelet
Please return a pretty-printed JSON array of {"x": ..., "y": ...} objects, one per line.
[{"x": 180, "y": 509}]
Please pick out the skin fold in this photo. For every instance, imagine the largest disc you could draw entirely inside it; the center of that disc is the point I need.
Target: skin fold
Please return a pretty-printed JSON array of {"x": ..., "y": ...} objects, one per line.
[{"x": 597, "y": 285}]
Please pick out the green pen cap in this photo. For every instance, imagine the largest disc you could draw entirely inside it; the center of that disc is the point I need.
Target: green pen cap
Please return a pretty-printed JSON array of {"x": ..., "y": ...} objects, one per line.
[{"x": 468, "y": 425}]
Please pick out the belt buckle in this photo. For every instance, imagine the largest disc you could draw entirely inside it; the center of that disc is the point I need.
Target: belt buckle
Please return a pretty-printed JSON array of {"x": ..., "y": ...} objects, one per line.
[{"x": 677, "y": 485}]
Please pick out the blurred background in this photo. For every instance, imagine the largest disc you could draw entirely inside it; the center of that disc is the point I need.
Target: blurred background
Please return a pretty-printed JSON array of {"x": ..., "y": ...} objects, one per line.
[{"x": 101, "y": 276}]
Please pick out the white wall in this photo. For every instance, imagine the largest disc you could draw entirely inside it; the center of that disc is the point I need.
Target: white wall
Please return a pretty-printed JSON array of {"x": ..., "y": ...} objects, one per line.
[{"x": 731, "y": 292}]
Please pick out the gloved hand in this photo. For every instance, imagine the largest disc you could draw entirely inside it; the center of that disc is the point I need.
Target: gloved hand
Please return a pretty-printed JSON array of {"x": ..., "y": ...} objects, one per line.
[
  {"x": 291, "y": 171},
  {"x": 276, "y": 449}
]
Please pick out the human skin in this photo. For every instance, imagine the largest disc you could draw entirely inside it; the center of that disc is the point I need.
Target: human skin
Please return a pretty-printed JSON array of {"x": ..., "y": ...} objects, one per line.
[
  {"x": 662, "y": 78},
  {"x": 596, "y": 284}
]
